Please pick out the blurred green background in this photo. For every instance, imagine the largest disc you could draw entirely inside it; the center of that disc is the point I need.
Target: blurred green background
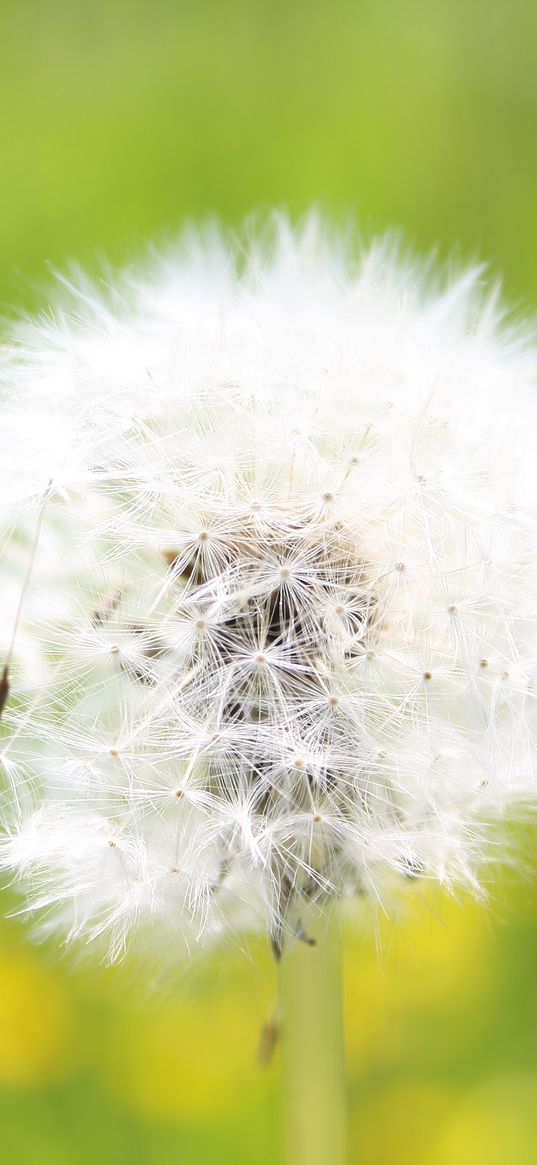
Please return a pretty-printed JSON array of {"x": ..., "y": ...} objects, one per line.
[{"x": 119, "y": 119}]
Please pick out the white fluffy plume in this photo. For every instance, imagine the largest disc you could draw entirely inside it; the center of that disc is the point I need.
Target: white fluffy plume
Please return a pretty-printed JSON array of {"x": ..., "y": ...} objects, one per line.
[{"x": 269, "y": 586}]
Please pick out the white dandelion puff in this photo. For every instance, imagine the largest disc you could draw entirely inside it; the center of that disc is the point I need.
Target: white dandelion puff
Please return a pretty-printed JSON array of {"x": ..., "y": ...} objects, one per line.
[{"x": 269, "y": 576}]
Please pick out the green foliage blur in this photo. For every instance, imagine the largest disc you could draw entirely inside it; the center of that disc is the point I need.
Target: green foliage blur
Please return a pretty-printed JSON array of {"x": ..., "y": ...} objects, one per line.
[{"x": 118, "y": 120}]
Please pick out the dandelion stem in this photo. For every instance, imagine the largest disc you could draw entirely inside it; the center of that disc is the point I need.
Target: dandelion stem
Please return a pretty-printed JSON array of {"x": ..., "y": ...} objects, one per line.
[{"x": 313, "y": 1046}]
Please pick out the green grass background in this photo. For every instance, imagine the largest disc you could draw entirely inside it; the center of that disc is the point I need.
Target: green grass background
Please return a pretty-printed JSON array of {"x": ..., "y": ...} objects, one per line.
[{"x": 118, "y": 120}]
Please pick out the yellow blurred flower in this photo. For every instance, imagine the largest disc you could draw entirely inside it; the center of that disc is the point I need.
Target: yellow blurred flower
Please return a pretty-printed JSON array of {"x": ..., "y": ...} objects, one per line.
[
  {"x": 195, "y": 1057},
  {"x": 431, "y": 960},
  {"x": 35, "y": 1023},
  {"x": 495, "y": 1125}
]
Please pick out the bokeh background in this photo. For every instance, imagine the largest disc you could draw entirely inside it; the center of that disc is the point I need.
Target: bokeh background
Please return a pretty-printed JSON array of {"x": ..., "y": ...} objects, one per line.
[{"x": 118, "y": 120}]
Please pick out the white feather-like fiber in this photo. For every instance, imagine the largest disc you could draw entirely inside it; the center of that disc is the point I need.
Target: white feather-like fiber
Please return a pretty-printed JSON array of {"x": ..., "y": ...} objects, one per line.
[{"x": 279, "y": 634}]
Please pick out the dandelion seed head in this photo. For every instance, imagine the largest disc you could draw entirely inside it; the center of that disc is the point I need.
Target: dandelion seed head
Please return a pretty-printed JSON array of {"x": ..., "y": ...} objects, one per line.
[{"x": 278, "y": 639}]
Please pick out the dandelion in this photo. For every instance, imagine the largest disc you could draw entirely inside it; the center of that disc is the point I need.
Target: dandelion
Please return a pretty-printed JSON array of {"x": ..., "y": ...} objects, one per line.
[{"x": 269, "y": 576}]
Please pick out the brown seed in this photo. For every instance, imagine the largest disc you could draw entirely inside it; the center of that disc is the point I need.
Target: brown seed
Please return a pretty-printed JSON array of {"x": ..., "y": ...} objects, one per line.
[
  {"x": 170, "y": 556},
  {"x": 268, "y": 1041},
  {"x": 4, "y": 688}
]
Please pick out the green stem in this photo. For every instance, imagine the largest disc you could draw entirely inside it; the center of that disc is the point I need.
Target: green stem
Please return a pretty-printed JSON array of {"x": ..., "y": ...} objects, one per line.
[{"x": 313, "y": 1046}]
